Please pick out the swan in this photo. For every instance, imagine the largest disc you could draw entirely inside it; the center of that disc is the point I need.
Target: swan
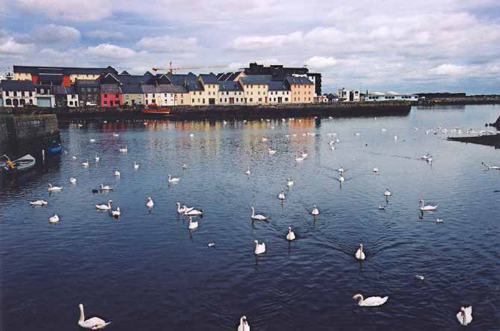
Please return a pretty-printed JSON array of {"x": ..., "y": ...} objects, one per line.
[
  {"x": 97, "y": 158},
  {"x": 259, "y": 248},
  {"x": 341, "y": 178},
  {"x": 184, "y": 166},
  {"x": 371, "y": 301},
  {"x": 375, "y": 169},
  {"x": 150, "y": 203},
  {"x": 395, "y": 138},
  {"x": 490, "y": 167},
  {"x": 173, "y": 179},
  {"x": 191, "y": 135},
  {"x": 92, "y": 140},
  {"x": 73, "y": 158},
  {"x": 211, "y": 244},
  {"x": 439, "y": 220},
  {"x": 85, "y": 164},
  {"x": 192, "y": 225},
  {"x": 464, "y": 316},
  {"x": 290, "y": 236},
  {"x": 54, "y": 219},
  {"x": 289, "y": 182},
  {"x": 247, "y": 172},
  {"x": 244, "y": 326},
  {"x": 419, "y": 277},
  {"x": 424, "y": 207},
  {"x": 264, "y": 140},
  {"x": 54, "y": 188},
  {"x": 72, "y": 180},
  {"x": 105, "y": 207},
  {"x": 299, "y": 158},
  {"x": 305, "y": 155},
  {"x": 106, "y": 187},
  {"x": 281, "y": 196},
  {"x": 180, "y": 210},
  {"x": 117, "y": 173},
  {"x": 387, "y": 193},
  {"x": 193, "y": 212},
  {"x": 360, "y": 255},
  {"x": 315, "y": 210},
  {"x": 116, "y": 135},
  {"x": 115, "y": 213},
  {"x": 93, "y": 323},
  {"x": 123, "y": 149},
  {"x": 272, "y": 151},
  {"x": 136, "y": 165},
  {"x": 258, "y": 217},
  {"x": 38, "y": 203}
]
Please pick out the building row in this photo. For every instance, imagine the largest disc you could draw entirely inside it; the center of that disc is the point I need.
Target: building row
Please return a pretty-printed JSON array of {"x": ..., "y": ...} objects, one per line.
[{"x": 105, "y": 87}]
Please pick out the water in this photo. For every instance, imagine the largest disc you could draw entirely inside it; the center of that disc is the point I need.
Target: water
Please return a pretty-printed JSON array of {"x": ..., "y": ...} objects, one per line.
[{"x": 147, "y": 271}]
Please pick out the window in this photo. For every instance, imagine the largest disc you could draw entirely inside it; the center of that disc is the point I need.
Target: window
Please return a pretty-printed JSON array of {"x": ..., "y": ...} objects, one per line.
[
  {"x": 117, "y": 103},
  {"x": 71, "y": 103},
  {"x": 42, "y": 91},
  {"x": 225, "y": 100},
  {"x": 8, "y": 102},
  {"x": 258, "y": 93},
  {"x": 251, "y": 99},
  {"x": 198, "y": 99},
  {"x": 260, "y": 99},
  {"x": 203, "y": 100},
  {"x": 220, "y": 100},
  {"x": 105, "y": 102},
  {"x": 192, "y": 100},
  {"x": 22, "y": 102}
]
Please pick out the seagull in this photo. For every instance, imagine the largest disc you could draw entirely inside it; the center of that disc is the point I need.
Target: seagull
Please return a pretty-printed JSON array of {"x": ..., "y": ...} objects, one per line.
[
  {"x": 375, "y": 169},
  {"x": 360, "y": 255},
  {"x": 54, "y": 219},
  {"x": 54, "y": 188},
  {"x": 264, "y": 140},
  {"x": 272, "y": 151},
  {"x": 192, "y": 225},
  {"x": 74, "y": 158},
  {"x": 248, "y": 172},
  {"x": 464, "y": 316},
  {"x": 259, "y": 248},
  {"x": 371, "y": 301},
  {"x": 289, "y": 182},
  {"x": 211, "y": 244},
  {"x": 315, "y": 211},
  {"x": 290, "y": 236},
  {"x": 173, "y": 179},
  {"x": 85, "y": 164},
  {"x": 38, "y": 203},
  {"x": 420, "y": 277},
  {"x": 299, "y": 158},
  {"x": 184, "y": 166},
  {"x": 305, "y": 155},
  {"x": 117, "y": 173},
  {"x": 150, "y": 203},
  {"x": 92, "y": 140},
  {"x": 191, "y": 135},
  {"x": 105, "y": 207},
  {"x": 258, "y": 217},
  {"x": 439, "y": 220},
  {"x": 281, "y": 196},
  {"x": 97, "y": 158},
  {"x": 123, "y": 149},
  {"x": 116, "y": 135},
  {"x": 93, "y": 323},
  {"x": 106, "y": 188}
]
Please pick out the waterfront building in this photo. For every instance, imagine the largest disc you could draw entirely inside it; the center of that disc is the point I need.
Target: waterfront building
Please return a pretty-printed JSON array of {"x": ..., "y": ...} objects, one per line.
[
  {"x": 18, "y": 93},
  {"x": 65, "y": 96},
  {"x": 58, "y": 75},
  {"x": 132, "y": 93},
  {"x": 88, "y": 91},
  {"x": 348, "y": 95},
  {"x": 301, "y": 89},
  {"x": 256, "y": 88},
  {"x": 45, "y": 96},
  {"x": 230, "y": 93},
  {"x": 111, "y": 92},
  {"x": 278, "y": 93},
  {"x": 210, "y": 87},
  {"x": 380, "y": 97}
]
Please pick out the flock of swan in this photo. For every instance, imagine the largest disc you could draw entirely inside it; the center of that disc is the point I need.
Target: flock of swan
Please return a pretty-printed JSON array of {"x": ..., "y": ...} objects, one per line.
[{"x": 464, "y": 316}]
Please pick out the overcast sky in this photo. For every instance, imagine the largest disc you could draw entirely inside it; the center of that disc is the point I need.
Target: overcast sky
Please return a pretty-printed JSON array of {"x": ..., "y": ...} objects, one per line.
[{"x": 384, "y": 45}]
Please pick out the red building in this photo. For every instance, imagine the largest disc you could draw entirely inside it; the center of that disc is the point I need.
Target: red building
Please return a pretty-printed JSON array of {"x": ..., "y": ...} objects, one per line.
[{"x": 111, "y": 92}]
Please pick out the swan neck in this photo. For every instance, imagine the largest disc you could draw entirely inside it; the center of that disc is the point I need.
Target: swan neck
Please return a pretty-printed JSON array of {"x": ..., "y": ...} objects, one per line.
[{"x": 82, "y": 315}]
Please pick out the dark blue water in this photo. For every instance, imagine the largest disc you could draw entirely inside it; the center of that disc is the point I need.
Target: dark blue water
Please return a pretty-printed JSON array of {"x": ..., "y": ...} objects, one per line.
[{"x": 147, "y": 271}]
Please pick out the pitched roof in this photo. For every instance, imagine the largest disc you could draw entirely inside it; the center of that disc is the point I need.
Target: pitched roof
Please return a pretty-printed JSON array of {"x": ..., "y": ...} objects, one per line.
[
  {"x": 17, "y": 85},
  {"x": 181, "y": 79},
  {"x": 193, "y": 86},
  {"x": 168, "y": 88},
  {"x": 230, "y": 86},
  {"x": 87, "y": 82},
  {"x": 208, "y": 78},
  {"x": 298, "y": 80},
  {"x": 256, "y": 80},
  {"x": 132, "y": 89},
  {"x": 110, "y": 88},
  {"x": 277, "y": 86}
]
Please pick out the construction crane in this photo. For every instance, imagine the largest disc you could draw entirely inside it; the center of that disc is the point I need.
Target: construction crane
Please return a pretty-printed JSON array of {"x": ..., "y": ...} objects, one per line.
[{"x": 171, "y": 69}]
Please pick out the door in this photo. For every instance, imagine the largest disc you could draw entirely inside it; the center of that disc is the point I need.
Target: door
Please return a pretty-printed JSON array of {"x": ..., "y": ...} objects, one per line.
[
  {"x": 231, "y": 101},
  {"x": 280, "y": 99}
]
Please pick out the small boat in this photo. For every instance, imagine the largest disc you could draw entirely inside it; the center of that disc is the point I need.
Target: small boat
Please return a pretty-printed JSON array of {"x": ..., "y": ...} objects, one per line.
[
  {"x": 54, "y": 149},
  {"x": 22, "y": 164},
  {"x": 155, "y": 110}
]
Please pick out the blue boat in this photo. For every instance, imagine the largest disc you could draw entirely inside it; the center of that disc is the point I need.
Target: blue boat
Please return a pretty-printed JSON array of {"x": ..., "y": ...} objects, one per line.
[{"x": 54, "y": 149}]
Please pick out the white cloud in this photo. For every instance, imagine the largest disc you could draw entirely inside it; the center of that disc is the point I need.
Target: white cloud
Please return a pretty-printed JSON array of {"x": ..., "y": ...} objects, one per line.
[
  {"x": 110, "y": 51},
  {"x": 103, "y": 34},
  {"x": 69, "y": 10},
  {"x": 260, "y": 42},
  {"x": 52, "y": 33},
  {"x": 169, "y": 44},
  {"x": 449, "y": 69},
  {"x": 8, "y": 45},
  {"x": 321, "y": 62}
]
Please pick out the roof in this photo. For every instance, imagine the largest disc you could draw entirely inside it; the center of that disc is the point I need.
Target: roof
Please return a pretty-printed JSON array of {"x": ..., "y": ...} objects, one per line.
[
  {"x": 277, "y": 86},
  {"x": 63, "y": 90},
  {"x": 87, "y": 82},
  {"x": 51, "y": 78},
  {"x": 171, "y": 88},
  {"x": 298, "y": 80},
  {"x": 208, "y": 78},
  {"x": 193, "y": 86},
  {"x": 256, "y": 80},
  {"x": 110, "y": 88},
  {"x": 181, "y": 79},
  {"x": 36, "y": 70},
  {"x": 109, "y": 78},
  {"x": 230, "y": 86},
  {"x": 17, "y": 85},
  {"x": 132, "y": 89}
]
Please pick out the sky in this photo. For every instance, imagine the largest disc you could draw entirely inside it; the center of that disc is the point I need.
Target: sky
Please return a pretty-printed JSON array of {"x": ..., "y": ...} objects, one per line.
[{"x": 379, "y": 46}]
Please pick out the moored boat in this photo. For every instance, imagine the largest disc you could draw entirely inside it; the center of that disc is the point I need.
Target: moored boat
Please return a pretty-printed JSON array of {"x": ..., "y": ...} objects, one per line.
[
  {"x": 22, "y": 164},
  {"x": 156, "y": 110}
]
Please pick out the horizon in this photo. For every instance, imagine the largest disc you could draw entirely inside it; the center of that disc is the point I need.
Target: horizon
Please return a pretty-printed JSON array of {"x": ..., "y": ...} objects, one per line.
[{"x": 417, "y": 48}]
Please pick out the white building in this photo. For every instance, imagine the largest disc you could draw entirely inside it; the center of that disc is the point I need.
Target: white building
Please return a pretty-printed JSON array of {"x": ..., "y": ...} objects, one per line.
[
  {"x": 230, "y": 93},
  {"x": 390, "y": 96},
  {"x": 278, "y": 93},
  {"x": 349, "y": 95},
  {"x": 18, "y": 93}
]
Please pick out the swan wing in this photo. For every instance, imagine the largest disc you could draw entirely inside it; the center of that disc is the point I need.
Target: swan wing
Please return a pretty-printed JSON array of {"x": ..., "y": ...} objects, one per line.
[
  {"x": 374, "y": 301},
  {"x": 94, "y": 323},
  {"x": 244, "y": 327}
]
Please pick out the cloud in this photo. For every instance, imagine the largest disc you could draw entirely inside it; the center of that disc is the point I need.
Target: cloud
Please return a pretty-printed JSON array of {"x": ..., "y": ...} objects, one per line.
[
  {"x": 110, "y": 51},
  {"x": 69, "y": 10},
  {"x": 9, "y": 46},
  {"x": 449, "y": 69},
  {"x": 321, "y": 62},
  {"x": 104, "y": 34},
  {"x": 52, "y": 33},
  {"x": 273, "y": 41},
  {"x": 169, "y": 44}
]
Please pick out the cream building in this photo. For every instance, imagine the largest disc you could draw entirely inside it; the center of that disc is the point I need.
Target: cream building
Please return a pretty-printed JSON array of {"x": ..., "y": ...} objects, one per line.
[
  {"x": 256, "y": 88},
  {"x": 278, "y": 93},
  {"x": 231, "y": 93},
  {"x": 301, "y": 89}
]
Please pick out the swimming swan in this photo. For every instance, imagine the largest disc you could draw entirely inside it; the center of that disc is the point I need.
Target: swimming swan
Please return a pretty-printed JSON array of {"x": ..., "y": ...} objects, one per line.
[
  {"x": 85, "y": 164},
  {"x": 281, "y": 196},
  {"x": 106, "y": 187},
  {"x": 244, "y": 326},
  {"x": 193, "y": 212},
  {"x": 258, "y": 217},
  {"x": 105, "y": 207},
  {"x": 387, "y": 193},
  {"x": 173, "y": 179},
  {"x": 180, "y": 210},
  {"x": 150, "y": 203},
  {"x": 259, "y": 248},
  {"x": 124, "y": 149},
  {"x": 272, "y": 151},
  {"x": 54, "y": 219},
  {"x": 424, "y": 207},
  {"x": 192, "y": 225},
  {"x": 54, "y": 188},
  {"x": 72, "y": 180},
  {"x": 115, "y": 213},
  {"x": 490, "y": 167},
  {"x": 290, "y": 236},
  {"x": 371, "y": 301},
  {"x": 315, "y": 211},
  {"x": 247, "y": 172},
  {"x": 360, "y": 255},
  {"x": 289, "y": 182},
  {"x": 464, "y": 316},
  {"x": 38, "y": 203},
  {"x": 117, "y": 173},
  {"x": 93, "y": 323}
]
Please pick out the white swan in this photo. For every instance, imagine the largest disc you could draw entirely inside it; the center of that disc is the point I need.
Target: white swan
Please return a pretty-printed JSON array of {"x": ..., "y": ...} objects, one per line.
[
  {"x": 116, "y": 134},
  {"x": 191, "y": 135},
  {"x": 290, "y": 236},
  {"x": 258, "y": 217},
  {"x": 115, "y": 213},
  {"x": 193, "y": 212},
  {"x": 387, "y": 193},
  {"x": 85, "y": 164},
  {"x": 244, "y": 326},
  {"x": 464, "y": 316},
  {"x": 305, "y": 155},
  {"x": 341, "y": 178},
  {"x": 272, "y": 151},
  {"x": 289, "y": 182},
  {"x": 281, "y": 195},
  {"x": 395, "y": 138},
  {"x": 97, "y": 158},
  {"x": 264, "y": 140},
  {"x": 247, "y": 172},
  {"x": 173, "y": 179},
  {"x": 375, "y": 169},
  {"x": 490, "y": 167},
  {"x": 117, "y": 173},
  {"x": 93, "y": 323},
  {"x": 420, "y": 277},
  {"x": 341, "y": 169},
  {"x": 54, "y": 188},
  {"x": 38, "y": 203},
  {"x": 124, "y": 149},
  {"x": 371, "y": 301},
  {"x": 54, "y": 219},
  {"x": 106, "y": 187},
  {"x": 136, "y": 165},
  {"x": 299, "y": 158},
  {"x": 360, "y": 255},
  {"x": 315, "y": 211},
  {"x": 72, "y": 180},
  {"x": 259, "y": 248},
  {"x": 150, "y": 203},
  {"x": 192, "y": 225},
  {"x": 180, "y": 210},
  {"x": 73, "y": 158},
  {"x": 92, "y": 140},
  {"x": 424, "y": 207},
  {"x": 105, "y": 207}
]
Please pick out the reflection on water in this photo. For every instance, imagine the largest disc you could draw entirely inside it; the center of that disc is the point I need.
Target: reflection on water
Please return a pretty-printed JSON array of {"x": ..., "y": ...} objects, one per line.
[{"x": 147, "y": 271}]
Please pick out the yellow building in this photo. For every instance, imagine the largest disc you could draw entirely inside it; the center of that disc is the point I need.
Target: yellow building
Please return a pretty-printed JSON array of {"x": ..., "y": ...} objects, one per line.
[
  {"x": 210, "y": 88},
  {"x": 256, "y": 88},
  {"x": 301, "y": 89}
]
